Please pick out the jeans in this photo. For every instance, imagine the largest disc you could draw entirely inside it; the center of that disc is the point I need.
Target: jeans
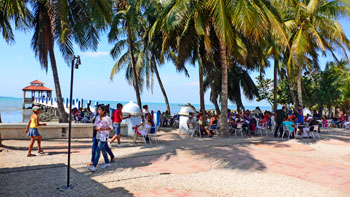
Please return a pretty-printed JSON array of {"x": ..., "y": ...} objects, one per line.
[
  {"x": 101, "y": 146},
  {"x": 94, "y": 147}
]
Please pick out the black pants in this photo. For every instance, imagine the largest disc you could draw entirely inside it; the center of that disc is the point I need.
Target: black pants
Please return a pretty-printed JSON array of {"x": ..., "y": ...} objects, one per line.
[{"x": 280, "y": 127}]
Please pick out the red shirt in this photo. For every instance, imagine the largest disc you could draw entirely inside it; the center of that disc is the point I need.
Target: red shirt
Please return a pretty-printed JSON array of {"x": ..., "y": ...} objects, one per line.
[{"x": 116, "y": 117}]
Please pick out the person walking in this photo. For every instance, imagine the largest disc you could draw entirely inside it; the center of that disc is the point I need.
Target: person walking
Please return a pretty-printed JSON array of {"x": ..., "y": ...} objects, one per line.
[
  {"x": 32, "y": 131},
  {"x": 280, "y": 115},
  {"x": 117, "y": 119},
  {"x": 103, "y": 125},
  {"x": 94, "y": 147}
]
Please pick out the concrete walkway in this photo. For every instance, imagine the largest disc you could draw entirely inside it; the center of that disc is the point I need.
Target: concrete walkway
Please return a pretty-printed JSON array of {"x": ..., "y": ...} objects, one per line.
[{"x": 182, "y": 166}]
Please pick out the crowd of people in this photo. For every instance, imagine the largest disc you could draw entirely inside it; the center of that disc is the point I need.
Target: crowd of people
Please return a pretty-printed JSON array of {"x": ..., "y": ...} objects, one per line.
[{"x": 207, "y": 122}]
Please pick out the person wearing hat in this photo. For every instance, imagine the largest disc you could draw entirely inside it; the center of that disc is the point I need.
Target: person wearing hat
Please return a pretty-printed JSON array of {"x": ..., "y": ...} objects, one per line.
[{"x": 32, "y": 131}]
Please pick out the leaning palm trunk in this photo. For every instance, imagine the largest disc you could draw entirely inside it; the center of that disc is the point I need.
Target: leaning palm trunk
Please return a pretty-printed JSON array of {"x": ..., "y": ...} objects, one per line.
[
  {"x": 299, "y": 88},
  {"x": 62, "y": 115},
  {"x": 275, "y": 69},
  {"x": 161, "y": 85},
  {"x": 224, "y": 90},
  {"x": 133, "y": 65}
]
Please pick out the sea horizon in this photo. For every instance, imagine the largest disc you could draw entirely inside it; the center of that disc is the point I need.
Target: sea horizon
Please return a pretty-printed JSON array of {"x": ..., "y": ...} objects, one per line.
[{"x": 11, "y": 107}]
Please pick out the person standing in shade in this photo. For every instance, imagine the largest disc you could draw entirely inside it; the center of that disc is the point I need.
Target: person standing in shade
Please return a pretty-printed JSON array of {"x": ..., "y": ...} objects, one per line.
[
  {"x": 32, "y": 131},
  {"x": 280, "y": 115},
  {"x": 117, "y": 118},
  {"x": 103, "y": 125}
]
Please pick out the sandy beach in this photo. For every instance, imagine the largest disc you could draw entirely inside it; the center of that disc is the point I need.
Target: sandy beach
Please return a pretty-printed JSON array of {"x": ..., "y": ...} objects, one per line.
[{"x": 183, "y": 166}]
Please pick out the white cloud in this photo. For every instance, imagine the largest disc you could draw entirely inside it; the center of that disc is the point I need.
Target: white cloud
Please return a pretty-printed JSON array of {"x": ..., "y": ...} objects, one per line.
[
  {"x": 96, "y": 53},
  {"x": 193, "y": 83}
]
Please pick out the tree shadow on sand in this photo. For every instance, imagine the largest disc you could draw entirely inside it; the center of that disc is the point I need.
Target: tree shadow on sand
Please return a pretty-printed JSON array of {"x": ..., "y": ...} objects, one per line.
[{"x": 47, "y": 180}]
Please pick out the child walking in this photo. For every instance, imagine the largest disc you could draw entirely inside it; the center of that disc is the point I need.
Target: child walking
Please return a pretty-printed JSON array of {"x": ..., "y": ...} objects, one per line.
[
  {"x": 103, "y": 125},
  {"x": 32, "y": 131}
]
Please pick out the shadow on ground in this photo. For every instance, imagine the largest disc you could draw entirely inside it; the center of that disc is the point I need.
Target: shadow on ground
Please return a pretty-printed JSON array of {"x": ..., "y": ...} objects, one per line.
[{"x": 47, "y": 180}]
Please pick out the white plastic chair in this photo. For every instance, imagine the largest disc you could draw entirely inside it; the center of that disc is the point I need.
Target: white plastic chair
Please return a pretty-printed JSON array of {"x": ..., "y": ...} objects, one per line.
[
  {"x": 286, "y": 131},
  {"x": 261, "y": 128},
  {"x": 315, "y": 130},
  {"x": 239, "y": 129},
  {"x": 325, "y": 128},
  {"x": 193, "y": 128},
  {"x": 154, "y": 135}
]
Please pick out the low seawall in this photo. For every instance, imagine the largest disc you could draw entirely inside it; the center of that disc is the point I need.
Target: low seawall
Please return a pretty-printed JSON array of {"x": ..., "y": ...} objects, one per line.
[{"x": 52, "y": 130}]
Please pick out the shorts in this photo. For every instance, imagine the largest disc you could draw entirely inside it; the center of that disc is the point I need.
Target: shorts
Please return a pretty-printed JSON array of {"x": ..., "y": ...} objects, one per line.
[
  {"x": 33, "y": 132},
  {"x": 116, "y": 128}
]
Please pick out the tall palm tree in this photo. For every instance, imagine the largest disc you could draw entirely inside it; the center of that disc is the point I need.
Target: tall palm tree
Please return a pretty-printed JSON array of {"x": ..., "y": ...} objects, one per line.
[
  {"x": 312, "y": 27},
  {"x": 252, "y": 19},
  {"x": 13, "y": 10},
  {"x": 126, "y": 20},
  {"x": 64, "y": 22}
]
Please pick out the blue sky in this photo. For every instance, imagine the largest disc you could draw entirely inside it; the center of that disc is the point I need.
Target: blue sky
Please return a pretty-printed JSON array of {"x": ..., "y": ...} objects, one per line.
[{"x": 19, "y": 67}]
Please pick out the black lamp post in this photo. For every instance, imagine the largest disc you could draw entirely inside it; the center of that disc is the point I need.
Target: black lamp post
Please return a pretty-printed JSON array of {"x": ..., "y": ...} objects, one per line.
[{"x": 76, "y": 66}]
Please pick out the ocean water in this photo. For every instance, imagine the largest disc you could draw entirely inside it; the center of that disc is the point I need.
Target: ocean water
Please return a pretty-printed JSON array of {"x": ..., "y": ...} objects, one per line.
[{"x": 11, "y": 108}]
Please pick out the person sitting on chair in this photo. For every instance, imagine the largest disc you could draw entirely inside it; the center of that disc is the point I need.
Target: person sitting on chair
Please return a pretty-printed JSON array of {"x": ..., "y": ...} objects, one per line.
[{"x": 147, "y": 126}]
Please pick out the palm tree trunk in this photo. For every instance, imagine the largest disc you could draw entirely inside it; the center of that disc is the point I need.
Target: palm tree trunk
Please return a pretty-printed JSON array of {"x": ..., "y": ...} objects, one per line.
[
  {"x": 201, "y": 87},
  {"x": 291, "y": 87},
  {"x": 62, "y": 115},
  {"x": 133, "y": 62},
  {"x": 299, "y": 89},
  {"x": 161, "y": 84},
  {"x": 224, "y": 90},
  {"x": 275, "y": 85}
]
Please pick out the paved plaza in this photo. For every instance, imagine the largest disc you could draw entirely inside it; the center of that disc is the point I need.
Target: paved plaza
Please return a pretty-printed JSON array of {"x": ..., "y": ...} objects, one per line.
[{"x": 184, "y": 166}]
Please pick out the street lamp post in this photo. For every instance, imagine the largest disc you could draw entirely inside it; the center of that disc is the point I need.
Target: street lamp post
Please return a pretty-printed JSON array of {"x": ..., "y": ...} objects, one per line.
[{"x": 76, "y": 66}]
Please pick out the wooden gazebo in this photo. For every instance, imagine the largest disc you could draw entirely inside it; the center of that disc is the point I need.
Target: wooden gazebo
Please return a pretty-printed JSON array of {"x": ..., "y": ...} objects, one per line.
[{"x": 38, "y": 90}]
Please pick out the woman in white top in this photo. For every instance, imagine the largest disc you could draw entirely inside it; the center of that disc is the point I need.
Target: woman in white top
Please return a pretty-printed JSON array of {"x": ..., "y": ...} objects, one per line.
[
  {"x": 103, "y": 125},
  {"x": 147, "y": 126}
]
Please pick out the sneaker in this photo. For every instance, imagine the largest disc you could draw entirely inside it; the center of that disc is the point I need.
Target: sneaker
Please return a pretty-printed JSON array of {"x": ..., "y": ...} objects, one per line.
[
  {"x": 105, "y": 165},
  {"x": 119, "y": 145},
  {"x": 92, "y": 168},
  {"x": 109, "y": 144}
]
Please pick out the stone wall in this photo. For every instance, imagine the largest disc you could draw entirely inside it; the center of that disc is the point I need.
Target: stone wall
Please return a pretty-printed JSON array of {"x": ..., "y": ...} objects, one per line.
[{"x": 52, "y": 130}]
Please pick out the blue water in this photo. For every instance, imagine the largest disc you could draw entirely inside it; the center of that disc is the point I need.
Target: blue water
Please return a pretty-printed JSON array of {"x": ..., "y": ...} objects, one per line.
[{"x": 11, "y": 108}]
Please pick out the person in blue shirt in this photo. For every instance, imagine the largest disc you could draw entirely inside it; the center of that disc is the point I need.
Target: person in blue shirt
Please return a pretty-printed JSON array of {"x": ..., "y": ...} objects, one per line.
[{"x": 300, "y": 114}]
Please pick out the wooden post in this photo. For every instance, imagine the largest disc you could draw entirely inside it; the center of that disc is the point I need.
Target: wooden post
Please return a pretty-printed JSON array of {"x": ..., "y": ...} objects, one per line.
[{"x": 24, "y": 99}]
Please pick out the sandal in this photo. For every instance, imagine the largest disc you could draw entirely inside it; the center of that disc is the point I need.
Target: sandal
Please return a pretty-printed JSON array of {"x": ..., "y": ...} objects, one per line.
[
  {"x": 41, "y": 152},
  {"x": 31, "y": 155},
  {"x": 112, "y": 159}
]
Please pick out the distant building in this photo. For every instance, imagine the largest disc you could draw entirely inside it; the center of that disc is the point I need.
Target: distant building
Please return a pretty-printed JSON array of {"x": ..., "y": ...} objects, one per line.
[{"x": 38, "y": 90}]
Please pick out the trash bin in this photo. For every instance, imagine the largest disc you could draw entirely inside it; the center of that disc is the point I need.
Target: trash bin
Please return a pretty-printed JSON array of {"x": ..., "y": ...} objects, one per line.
[
  {"x": 134, "y": 110},
  {"x": 184, "y": 115}
]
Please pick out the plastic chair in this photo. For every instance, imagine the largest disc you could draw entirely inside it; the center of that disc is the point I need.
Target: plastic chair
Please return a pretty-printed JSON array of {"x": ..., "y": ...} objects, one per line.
[
  {"x": 315, "y": 130},
  {"x": 239, "y": 129},
  {"x": 153, "y": 134},
  {"x": 193, "y": 128},
  {"x": 286, "y": 131}
]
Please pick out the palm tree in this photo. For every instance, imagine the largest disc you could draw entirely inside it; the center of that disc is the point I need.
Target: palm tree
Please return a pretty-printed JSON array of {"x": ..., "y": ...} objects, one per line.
[
  {"x": 312, "y": 26},
  {"x": 186, "y": 21},
  {"x": 13, "y": 10},
  {"x": 64, "y": 22},
  {"x": 126, "y": 20},
  {"x": 250, "y": 18}
]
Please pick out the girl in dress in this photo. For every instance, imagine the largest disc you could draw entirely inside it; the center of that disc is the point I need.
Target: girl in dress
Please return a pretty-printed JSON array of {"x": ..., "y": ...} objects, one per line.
[{"x": 147, "y": 126}]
